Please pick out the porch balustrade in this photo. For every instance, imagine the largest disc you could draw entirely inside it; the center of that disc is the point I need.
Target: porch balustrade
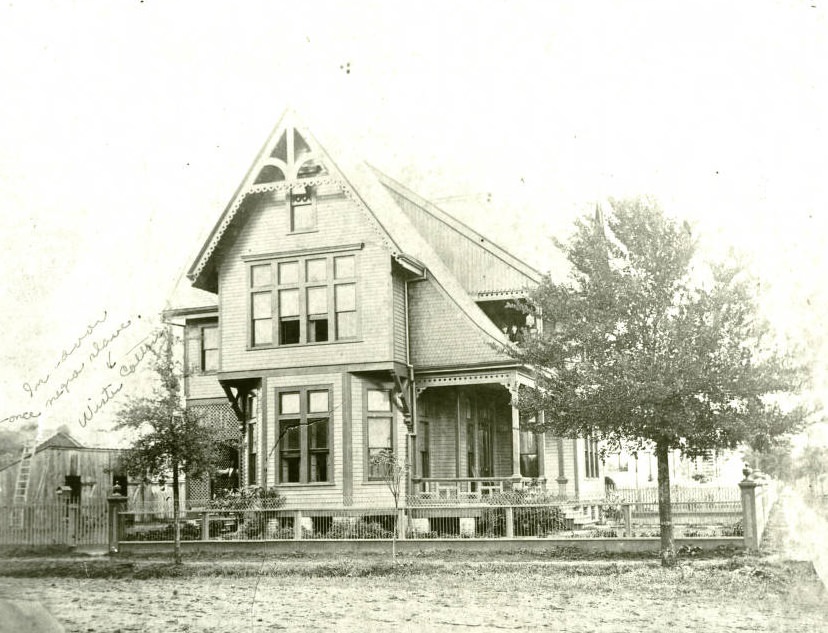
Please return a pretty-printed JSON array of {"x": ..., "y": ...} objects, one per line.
[{"x": 470, "y": 488}]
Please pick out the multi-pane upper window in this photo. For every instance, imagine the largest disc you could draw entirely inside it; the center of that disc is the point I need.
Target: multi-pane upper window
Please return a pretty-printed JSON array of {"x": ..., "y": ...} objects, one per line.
[
  {"x": 305, "y": 300},
  {"x": 380, "y": 437},
  {"x": 303, "y": 431}
]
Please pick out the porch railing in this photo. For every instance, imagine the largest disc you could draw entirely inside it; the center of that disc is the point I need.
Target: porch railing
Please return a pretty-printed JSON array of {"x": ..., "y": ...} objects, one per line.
[{"x": 472, "y": 489}]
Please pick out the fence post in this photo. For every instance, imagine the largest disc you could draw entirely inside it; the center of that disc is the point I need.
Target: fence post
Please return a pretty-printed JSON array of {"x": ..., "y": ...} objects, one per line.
[
  {"x": 749, "y": 518},
  {"x": 627, "y": 510},
  {"x": 297, "y": 525},
  {"x": 205, "y": 526},
  {"x": 510, "y": 521},
  {"x": 402, "y": 524},
  {"x": 117, "y": 504}
]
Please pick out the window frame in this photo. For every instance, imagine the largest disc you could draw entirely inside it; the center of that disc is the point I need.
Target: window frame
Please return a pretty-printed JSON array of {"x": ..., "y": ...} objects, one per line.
[
  {"x": 305, "y": 449},
  {"x": 194, "y": 358},
  {"x": 369, "y": 415},
  {"x": 591, "y": 458},
  {"x": 275, "y": 289},
  {"x": 295, "y": 201}
]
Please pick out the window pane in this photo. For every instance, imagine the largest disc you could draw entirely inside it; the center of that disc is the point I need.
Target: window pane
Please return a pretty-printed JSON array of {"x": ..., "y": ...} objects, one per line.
[
  {"x": 379, "y": 400},
  {"x": 262, "y": 332},
  {"x": 318, "y": 329},
  {"x": 290, "y": 468},
  {"x": 289, "y": 331},
  {"x": 529, "y": 465},
  {"x": 319, "y": 466},
  {"x": 260, "y": 275},
  {"x": 261, "y": 305},
  {"x": 528, "y": 442},
  {"x": 346, "y": 325},
  {"x": 317, "y": 269},
  {"x": 210, "y": 339},
  {"x": 289, "y": 273},
  {"x": 290, "y": 436},
  {"x": 289, "y": 403},
  {"x": 317, "y": 300},
  {"x": 379, "y": 433},
  {"x": 318, "y": 401},
  {"x": 304, "y": 217},
  {"x": 318, "y": 433},
  {"x": 344, "y": 267},
  {"x": 211, "y": 360},
  {"x": 289, "y": 302},
  {"x": 345, "y": 297}
]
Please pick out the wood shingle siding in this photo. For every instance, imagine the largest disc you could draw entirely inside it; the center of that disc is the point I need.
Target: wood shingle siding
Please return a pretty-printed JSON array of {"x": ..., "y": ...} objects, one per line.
[
  {"x": 441, "y": 335},
  {"x": 266, "y": 231}
]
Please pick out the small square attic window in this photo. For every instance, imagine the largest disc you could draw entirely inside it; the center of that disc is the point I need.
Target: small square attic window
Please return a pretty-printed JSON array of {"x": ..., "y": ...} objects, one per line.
[{"x": 302, "y": 209}]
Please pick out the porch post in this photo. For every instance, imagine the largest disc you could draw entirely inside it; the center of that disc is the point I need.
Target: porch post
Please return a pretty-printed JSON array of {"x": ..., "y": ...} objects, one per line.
[
  {"x": 562, "y": 480},
  {"x": 540, "y": 441},
  {"x": 515, "y": 440}
]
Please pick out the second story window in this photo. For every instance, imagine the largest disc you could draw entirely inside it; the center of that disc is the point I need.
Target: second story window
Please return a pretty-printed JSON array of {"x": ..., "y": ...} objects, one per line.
[
  {"x": 305, "y": 300},
  {"x": 209, "y": 348},
  {"x": 202, "y": 351}
]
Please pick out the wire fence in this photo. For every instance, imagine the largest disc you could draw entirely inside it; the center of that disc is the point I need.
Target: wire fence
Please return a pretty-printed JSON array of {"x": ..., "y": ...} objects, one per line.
[{"x": 441, "y": 521}]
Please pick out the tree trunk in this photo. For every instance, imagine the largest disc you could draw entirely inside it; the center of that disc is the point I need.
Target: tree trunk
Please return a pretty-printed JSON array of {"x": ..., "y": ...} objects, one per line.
[
  {"x": 394, "y": 533},
  {"x": 176, "y": 519},
  {"x": 665, "y": 509}
]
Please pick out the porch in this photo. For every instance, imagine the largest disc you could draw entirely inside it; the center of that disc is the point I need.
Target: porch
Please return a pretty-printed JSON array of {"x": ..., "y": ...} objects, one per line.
[{"x": 467, "y": 444}]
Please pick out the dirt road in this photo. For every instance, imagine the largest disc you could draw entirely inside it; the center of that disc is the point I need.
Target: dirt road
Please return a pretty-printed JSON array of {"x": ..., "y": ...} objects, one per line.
[{"x": 636, "y": 599}]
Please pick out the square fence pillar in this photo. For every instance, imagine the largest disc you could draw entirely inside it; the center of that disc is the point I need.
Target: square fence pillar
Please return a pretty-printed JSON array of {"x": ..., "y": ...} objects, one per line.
[
  {"x": 750, "y": 523},
  {"x": 297, "y": 525},
  {"x": 626, "y": 509},
  {"x": 510, "y": 521},
  {"x": 117, "y": 504},
  {"x": 205, "y": 526}
]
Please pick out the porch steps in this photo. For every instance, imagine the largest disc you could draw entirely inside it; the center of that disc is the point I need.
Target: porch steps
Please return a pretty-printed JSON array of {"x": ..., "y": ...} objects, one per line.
[{"x": 579, "y": 517}]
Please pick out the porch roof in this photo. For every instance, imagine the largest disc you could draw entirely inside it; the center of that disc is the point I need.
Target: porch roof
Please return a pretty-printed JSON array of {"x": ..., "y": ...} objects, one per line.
[{"x": 510, "y": 377}]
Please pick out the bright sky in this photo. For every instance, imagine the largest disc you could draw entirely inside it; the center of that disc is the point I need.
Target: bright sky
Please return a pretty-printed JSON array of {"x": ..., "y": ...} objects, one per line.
[{"x": 126, "y": 127}]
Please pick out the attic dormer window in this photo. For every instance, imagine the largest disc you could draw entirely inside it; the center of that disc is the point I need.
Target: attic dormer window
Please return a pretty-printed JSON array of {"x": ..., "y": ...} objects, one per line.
[{"x": 302, "y": 209}]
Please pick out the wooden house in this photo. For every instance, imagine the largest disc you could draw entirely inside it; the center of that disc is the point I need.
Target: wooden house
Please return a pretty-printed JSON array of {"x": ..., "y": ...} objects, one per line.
[{"x": 335, "y": 314}]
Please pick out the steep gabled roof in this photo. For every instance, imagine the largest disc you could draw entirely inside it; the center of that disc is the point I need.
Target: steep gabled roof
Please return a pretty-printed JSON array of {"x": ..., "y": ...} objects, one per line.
[
  {"x": 370, "y": 191},
  {"x": 479, "y": 264}
]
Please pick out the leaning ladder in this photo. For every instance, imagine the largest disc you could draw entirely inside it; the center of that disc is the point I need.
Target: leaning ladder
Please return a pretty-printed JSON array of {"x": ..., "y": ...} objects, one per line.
[{"x": 21, "y": 486}]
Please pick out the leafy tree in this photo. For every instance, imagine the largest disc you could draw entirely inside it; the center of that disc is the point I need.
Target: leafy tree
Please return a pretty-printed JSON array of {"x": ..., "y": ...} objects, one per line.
[
  {"x": 775, "y": 460},
  {"x": 171, "y": 439},
  {"x": 642, "y": 347},
  {"x": 811, "y": 464}
]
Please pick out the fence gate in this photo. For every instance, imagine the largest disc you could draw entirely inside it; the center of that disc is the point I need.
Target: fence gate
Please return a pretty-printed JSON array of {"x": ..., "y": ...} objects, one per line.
[{"x": 59, "y": 523}]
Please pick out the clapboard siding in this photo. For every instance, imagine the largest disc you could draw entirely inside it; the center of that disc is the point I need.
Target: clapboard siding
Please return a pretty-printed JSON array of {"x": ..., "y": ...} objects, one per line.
[{"x": 265, "y": 231}]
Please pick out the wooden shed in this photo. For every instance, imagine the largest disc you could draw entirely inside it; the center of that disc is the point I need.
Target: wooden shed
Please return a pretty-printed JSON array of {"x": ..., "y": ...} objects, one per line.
[{"x": 86, "y": 475}]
